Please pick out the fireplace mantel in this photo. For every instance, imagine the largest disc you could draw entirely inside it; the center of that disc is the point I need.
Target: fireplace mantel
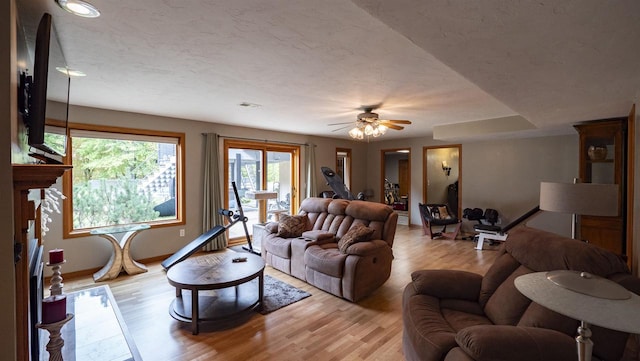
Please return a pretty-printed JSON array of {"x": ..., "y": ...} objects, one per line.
[{"x": 27, "y": 177}]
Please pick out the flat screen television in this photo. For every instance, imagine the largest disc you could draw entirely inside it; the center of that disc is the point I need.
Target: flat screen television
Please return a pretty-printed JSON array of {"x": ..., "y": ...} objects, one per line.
[{"x": 51, "y": 82}]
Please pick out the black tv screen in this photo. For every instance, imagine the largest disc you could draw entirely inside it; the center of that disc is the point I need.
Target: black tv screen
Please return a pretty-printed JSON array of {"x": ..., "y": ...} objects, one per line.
[{"x": 50, "y": 83}]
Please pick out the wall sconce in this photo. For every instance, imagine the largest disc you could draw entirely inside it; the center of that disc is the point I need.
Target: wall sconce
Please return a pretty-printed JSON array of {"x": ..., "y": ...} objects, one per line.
[{"x": 446, "y": 169}]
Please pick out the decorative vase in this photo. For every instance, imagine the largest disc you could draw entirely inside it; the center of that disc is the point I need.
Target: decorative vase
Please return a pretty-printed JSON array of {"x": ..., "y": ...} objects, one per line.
[{"x": 597, "y": 152}]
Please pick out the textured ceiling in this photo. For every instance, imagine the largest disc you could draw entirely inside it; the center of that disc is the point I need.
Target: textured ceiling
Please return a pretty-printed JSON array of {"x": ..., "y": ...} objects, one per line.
[{"x": 311, "y": 63}]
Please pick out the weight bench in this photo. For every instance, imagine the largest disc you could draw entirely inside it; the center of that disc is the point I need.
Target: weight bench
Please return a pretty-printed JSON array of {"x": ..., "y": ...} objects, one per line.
[{"x": 492, "y": 232}]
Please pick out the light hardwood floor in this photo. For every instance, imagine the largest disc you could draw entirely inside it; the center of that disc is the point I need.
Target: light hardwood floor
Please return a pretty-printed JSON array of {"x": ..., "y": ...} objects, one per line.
[{"x": 320, "y": 327}]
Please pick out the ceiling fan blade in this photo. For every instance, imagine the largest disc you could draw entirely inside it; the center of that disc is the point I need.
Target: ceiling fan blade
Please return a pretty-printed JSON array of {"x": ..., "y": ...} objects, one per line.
[
  {"x": 396, "y": 121},
  {"x": 393, "y": 126},
  {"x": 341, "y": 128},
  {"x": 339, "y": 123}
]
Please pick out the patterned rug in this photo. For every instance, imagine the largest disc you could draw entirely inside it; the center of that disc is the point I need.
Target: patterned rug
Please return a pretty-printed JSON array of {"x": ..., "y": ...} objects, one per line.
[{"x": 278, "y": 294}]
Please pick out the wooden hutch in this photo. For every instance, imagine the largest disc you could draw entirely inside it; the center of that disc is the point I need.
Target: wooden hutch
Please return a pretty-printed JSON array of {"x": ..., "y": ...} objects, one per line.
[{"x": 603, "y": 159}]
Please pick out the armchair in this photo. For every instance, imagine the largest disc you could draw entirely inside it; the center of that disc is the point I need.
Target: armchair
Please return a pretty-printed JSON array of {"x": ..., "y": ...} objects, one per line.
[
  {"x": 452, "y": 315},
  {"x": 439, "y": 215}
]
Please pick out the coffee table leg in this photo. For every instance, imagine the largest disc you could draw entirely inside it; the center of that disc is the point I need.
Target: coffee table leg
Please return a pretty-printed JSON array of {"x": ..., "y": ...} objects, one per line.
[{"x": 194, "y": 312}]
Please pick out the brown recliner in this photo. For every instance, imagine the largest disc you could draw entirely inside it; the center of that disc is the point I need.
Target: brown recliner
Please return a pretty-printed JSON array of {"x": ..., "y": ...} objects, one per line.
[{"x": 456, "y": 315}]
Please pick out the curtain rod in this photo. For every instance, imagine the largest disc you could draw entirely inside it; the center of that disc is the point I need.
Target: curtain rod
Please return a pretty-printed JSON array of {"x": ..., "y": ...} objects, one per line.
[{"x": 262, "y": 140}]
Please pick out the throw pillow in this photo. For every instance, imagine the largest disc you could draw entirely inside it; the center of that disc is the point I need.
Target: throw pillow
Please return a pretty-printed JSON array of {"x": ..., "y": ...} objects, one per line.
[
  {"x": 357, "y": 233},
  {"x": 443, "y": 213},
  {"x": 292, "y": 226}
]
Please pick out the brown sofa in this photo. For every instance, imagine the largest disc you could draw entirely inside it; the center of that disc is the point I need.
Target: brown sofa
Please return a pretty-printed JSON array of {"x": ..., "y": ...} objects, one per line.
[
  {"x": 456, "y": 315},
  {"x": 315, "y": 257}
]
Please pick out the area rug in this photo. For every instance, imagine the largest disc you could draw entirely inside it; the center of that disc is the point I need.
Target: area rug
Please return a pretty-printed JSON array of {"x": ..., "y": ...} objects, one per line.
[{"x": 278, "y": 294}]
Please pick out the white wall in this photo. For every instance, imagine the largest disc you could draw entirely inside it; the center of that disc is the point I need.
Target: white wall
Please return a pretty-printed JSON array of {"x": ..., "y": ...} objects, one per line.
[
  {"x": 500, "y": 174},
  {"x": 92, "y": 252}
]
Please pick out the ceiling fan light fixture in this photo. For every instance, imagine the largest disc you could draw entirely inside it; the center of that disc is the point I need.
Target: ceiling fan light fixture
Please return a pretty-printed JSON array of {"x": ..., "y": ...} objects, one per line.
[
  {"x": 79, "y": 7},
  {"x": 382, "y": 129},
  {"x": 368, "y": 129},
  {"x": 355, "y": 133}
]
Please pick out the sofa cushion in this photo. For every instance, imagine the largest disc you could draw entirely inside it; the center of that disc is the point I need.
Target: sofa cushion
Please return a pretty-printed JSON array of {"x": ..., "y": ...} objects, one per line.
[
  {"x": 292, "y": 226},
  {"x": 325, "y": 259},
  {"x": 278, "y": 246},
  {"x": 357, "y": 233}
]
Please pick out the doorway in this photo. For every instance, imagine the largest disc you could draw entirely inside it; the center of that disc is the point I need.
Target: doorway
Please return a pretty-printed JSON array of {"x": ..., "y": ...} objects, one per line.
[
  {"x": 442, "y": 176},
  {"x": 396, "y": 181}
]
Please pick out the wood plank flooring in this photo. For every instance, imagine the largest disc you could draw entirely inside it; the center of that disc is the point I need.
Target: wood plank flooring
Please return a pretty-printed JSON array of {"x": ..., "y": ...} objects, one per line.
[{"x": 320, "y": 327}]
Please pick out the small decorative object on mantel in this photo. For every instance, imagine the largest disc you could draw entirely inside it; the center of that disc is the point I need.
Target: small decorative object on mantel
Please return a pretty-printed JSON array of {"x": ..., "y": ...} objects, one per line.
[
  {"x": 50, "y": 204},
  {"x": 597, "y": 152}
]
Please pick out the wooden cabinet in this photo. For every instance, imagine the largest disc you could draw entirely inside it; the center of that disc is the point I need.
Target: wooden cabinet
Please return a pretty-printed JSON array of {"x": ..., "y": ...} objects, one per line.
[{"x": 603, "y": 158}]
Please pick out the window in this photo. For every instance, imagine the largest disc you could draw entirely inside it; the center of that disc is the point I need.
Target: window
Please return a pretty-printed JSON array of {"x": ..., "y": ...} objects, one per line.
[
  {"x": 259, "y": 166},
  {"x": 122, "y": 176}
]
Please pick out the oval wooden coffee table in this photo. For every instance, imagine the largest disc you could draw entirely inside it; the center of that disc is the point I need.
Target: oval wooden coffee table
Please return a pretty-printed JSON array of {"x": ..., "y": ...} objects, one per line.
[{"x": 233, "y": 293}]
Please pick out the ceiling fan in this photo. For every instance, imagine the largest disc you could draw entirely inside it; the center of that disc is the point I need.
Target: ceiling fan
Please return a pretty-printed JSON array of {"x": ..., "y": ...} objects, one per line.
[{"x": 369, "y": 124}]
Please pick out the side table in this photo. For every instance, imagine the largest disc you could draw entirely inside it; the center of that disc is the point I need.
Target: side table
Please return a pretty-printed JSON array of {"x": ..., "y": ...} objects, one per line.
[{"x": 120, "y": 253}]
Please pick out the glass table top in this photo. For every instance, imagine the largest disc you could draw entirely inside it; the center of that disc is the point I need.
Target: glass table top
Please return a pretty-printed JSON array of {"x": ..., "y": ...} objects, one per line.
[{"x": 120, "y": 229}]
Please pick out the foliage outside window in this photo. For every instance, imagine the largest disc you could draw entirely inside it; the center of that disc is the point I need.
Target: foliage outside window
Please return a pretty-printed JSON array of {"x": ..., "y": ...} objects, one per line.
[{"x": 123, "y": 178}]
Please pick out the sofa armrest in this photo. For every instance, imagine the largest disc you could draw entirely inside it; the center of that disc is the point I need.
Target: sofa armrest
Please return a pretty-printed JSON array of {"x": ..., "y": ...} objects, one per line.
[
  {"x": 319, "y": 236},
  {"x": 491, "y": 342},
  {"x": 368, "y": 248},
  {"x": 271, "y": 227},
  {"x": 452, "y": 284}
]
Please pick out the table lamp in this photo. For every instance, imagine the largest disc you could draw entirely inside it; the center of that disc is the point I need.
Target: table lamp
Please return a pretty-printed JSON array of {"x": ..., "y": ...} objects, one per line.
[
  {"x": 262, "y": 197},
  {"x": 585, "y": 297},
  {"x": 589, "y": 199}
]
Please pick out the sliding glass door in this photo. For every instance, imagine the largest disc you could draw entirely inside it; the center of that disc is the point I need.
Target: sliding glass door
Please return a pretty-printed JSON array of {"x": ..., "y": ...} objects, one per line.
[{"x": 259, "y": 166}]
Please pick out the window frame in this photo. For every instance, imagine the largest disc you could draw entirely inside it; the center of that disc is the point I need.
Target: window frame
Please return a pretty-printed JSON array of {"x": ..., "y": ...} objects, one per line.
[
  {"x": 264, "y": 147},
  {"x": 67, "y": 179}
]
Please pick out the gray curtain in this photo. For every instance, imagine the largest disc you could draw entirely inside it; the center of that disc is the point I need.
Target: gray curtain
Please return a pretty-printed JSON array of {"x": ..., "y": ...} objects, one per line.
[
  {"x": 212, "y": 201},
  {"x": 312, "y": 187}
]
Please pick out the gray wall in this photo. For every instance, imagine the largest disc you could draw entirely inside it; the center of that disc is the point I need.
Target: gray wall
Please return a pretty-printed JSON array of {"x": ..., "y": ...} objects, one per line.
[{"x": 501, "y": 174}]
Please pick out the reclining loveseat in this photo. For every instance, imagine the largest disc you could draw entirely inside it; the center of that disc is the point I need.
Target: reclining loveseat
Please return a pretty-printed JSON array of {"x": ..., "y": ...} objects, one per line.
[
  {"x": 340, "y": 246},
  {"x": 454, "y": 315}
]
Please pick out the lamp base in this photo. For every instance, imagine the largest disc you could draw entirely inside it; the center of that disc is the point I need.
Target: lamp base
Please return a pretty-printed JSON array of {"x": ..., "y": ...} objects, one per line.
[{"x": 583, "y": 342}]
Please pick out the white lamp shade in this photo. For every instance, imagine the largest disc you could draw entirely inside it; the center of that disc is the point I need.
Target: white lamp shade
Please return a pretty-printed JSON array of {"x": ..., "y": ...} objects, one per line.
[{"x": 590, "y": 199}]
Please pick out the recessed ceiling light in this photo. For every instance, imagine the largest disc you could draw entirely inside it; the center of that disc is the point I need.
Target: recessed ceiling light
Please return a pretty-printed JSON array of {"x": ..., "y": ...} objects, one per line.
[
  {"x": 79, "y": 7},
  {"x": 70, "y": 72}
]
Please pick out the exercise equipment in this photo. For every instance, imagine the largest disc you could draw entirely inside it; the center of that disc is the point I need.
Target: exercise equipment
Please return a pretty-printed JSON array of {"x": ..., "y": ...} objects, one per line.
[
  {"x": 195, "y": 245},
  {"x": 491, "y": 232},
  {"x": 337, "y": 184}
]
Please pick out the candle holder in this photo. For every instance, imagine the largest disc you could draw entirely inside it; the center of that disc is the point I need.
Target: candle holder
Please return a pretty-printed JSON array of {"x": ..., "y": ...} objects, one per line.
[
  {"x": 55, "y": 344},
  {"x": 56, "y": 278}
]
